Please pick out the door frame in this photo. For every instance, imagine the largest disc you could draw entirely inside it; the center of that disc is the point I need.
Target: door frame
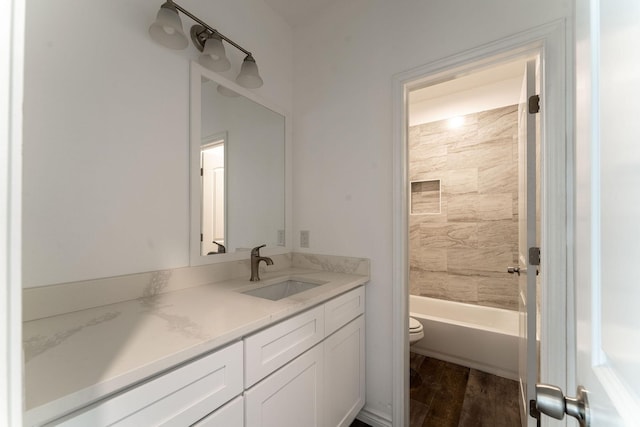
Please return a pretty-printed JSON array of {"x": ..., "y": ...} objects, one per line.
[
  {"x": 557, "y": 346},
  {"x": 12, "y": 24}
]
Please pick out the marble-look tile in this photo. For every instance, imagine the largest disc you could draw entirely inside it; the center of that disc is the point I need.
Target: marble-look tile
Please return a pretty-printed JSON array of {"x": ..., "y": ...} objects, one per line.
[
  {"x": 500, "y": 178},
  {"x": 421, "y": 169},
  {"x": 425, "y": 197},
  {"x": 451, "y": 235},
  {"x": 436, "y": 218},
  {"x": 428, "y": 283},
  {"x": 429, "y": 259},
  {"x": 487, "y": 153},
  {"x": 474, "y": 261},
  {"x": 462, "y": 288},
  {"x": 413, "y": 134},
  {"x": 423, "y": 150},
  {"x": 500, "y": 292},
  {"x": 498, "y": 123},
  {"x": 479, "y": 207},
  {"x": 498, "y": 233},
  {"x": 461, "y": 181},
  {"x": 479, "y": 186}
]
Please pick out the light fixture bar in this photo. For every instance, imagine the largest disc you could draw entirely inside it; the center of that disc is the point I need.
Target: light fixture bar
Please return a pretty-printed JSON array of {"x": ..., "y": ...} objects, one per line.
[{"x": 208, "y": 28}]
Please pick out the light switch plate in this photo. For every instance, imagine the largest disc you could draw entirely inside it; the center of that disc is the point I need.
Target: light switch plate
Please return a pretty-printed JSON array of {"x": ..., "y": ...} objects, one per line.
[{"x": 304, "y": 238}]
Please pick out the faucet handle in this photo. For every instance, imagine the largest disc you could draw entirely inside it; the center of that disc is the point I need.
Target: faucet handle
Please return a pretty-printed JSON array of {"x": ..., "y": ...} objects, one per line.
[
  {"x": 221, "y": 248},
  {"x": 256, "y": 251}
]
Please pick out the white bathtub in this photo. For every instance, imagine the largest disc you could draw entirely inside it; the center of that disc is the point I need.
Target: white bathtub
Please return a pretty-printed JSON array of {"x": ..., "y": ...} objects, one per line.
[{"x": 482, "y": 338}]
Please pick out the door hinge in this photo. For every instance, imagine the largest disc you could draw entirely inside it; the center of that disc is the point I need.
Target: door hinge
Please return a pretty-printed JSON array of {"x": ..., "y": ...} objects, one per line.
[
  {"x": 201, "y": 172},
  {"x": 201, "y": 237},
  {"x": 534, "y": 256},
  {"x": 533, "y": 410},
  {"x": 534, "y": 104}
]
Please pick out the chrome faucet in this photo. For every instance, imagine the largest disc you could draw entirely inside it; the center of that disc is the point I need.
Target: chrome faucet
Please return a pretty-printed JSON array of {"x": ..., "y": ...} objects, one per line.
[{"x": 255, "y": 261}]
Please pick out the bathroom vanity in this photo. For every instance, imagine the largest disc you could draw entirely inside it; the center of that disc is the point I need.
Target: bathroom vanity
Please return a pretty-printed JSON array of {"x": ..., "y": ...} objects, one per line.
[{"x": 211, "y": 355}]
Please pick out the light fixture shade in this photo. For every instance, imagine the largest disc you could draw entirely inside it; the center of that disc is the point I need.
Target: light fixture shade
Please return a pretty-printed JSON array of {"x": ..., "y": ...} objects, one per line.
[
  {"x": 249, "y": 76},
  {"x": 167, "y": 30},
  {"x": 223, "y": 90},
  {"x": 213, "y": 55}
]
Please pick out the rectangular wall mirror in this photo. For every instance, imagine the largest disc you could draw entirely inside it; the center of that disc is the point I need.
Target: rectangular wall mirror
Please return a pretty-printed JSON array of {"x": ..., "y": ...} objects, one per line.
[{"x": 238, "y": 169}]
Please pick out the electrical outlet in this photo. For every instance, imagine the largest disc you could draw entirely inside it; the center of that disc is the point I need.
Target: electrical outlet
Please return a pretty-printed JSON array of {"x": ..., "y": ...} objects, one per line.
[
  {"x": 304, "y": 238},
  {"x": 281, "y": 238}
]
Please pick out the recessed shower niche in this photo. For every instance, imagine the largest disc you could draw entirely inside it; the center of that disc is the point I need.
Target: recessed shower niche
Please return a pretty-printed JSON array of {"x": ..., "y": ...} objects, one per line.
[{"x": 425, "y": 197}]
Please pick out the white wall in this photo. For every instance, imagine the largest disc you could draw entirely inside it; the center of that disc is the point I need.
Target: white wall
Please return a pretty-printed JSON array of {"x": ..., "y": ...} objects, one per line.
[
  {"x": 106, "y": 119},
  {"x": 344, "y": 62}
]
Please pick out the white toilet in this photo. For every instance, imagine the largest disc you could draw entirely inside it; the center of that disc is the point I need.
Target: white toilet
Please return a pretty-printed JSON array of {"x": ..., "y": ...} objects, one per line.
[{"x": 416, "y": 331}]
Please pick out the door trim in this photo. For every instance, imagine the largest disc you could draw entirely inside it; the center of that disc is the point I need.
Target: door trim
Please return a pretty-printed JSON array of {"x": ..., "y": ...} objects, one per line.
[
  {"x": 12, "y": 25},
  {"x": 556, "y": 345}
]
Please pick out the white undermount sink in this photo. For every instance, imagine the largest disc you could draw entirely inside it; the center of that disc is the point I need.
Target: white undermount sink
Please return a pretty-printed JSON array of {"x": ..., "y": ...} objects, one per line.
[{"x": 281, "y": 290}]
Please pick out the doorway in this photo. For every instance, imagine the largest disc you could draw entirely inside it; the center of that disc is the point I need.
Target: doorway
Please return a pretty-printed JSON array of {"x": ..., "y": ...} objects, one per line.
[
  {"x": 548, "y": 42},
  {"x": 466, "y": 202}
]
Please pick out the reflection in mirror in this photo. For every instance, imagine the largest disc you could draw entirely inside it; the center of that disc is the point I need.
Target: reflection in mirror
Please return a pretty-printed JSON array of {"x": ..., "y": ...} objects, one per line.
[
  {"x": 238, "y": 170},
  {"x": 213, "y": 195}
]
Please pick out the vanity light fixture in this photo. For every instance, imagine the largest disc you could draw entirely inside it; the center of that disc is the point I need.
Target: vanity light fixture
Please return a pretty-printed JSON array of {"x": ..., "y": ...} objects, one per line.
[{"x": 167, "y": 30}]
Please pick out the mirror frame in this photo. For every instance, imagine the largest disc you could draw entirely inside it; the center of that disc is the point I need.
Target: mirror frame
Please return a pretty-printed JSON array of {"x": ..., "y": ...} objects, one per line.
[{"x": 195, "y": 203}]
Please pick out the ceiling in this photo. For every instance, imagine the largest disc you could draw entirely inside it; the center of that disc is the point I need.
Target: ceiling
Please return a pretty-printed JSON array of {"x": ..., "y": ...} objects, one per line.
[
  {"x": 296, "y": 12},
  {"x": 514, "y": 69}
]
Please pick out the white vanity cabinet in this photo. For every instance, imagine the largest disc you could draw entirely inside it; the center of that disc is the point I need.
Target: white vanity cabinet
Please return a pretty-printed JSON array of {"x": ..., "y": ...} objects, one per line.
[
  {"x": 178, "y": 398},
  {"x": 291, "y": 396},
  {"x": 344, "y": 375},
  {"x": 318, "y": 359},
  {"x": 230, "y": 415},
  {"x": 307, "y": 370},
  {"x": 344, "y": 358}
]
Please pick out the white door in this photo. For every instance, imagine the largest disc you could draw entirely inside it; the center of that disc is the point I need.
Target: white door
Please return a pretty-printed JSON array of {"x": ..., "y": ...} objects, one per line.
[
  {"x": 527, "y": 353},
  {"x": 608, "y": 209},
  {"x": 213, "y": 197}
]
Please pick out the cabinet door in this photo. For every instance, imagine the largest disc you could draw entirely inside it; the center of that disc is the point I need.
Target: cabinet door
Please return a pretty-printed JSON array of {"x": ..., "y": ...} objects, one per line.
[
  {"x": 230, "y": 415},
  {"x": 344, "y": 374},
  {"x": 291, "y": 396}
]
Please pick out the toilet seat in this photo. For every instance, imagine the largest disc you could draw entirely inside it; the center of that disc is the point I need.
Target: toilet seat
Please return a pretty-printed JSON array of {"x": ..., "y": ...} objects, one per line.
[
  {"x": 414, "y": 325},
  {"x": 416, "y": 330}
]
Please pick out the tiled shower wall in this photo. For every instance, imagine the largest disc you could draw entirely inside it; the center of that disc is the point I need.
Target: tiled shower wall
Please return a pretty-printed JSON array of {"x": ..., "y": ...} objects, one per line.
[{"x": 463, "y": 229}]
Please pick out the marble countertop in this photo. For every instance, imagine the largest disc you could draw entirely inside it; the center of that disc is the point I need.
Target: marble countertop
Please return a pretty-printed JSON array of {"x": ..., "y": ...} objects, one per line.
[{"x": 76, "y": 358}]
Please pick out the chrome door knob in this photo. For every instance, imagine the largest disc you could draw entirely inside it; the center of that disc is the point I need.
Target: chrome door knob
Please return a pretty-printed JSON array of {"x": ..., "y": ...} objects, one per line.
[{"x": 551, "y": 401}]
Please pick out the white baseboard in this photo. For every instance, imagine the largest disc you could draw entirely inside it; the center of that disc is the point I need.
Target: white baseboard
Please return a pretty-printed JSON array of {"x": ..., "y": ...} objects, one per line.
[{"x": 374, "y": 418}]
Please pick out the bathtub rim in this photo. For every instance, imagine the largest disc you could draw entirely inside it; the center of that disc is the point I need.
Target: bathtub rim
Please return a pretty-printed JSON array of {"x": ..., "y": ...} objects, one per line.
[{"x": 462, "y": 323}]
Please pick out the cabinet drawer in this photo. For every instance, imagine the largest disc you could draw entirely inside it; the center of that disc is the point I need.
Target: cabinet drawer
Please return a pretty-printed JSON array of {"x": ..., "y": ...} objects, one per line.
[
  {"x": 343, "y": 309},
  {"x": 273, "y": 347},
  {"x": 177, "y": 398},
  {"x": 230, "y": 415}
]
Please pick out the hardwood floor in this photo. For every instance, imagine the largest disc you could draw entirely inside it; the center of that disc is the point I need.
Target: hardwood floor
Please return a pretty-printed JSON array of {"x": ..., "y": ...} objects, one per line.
[{"x": 444, "y": 394}]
